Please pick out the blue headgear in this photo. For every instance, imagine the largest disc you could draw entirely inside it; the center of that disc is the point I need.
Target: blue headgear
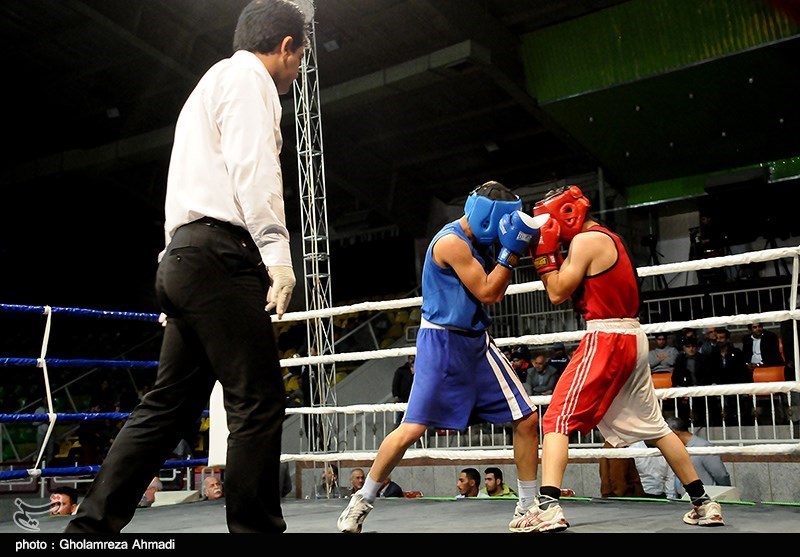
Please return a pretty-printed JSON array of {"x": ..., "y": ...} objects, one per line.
[{"x": 483, "y": 215}]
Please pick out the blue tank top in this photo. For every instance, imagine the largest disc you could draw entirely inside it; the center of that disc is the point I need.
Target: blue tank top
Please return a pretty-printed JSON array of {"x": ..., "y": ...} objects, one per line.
[{"x": 445, "y": 299}]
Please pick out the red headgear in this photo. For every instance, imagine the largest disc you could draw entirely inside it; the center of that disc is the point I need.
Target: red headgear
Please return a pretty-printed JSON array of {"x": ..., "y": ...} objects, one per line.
[{"x": 568, "y": 206}]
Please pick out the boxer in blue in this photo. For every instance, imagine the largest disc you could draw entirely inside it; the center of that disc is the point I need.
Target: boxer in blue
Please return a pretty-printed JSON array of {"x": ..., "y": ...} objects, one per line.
[{"x": 461, "y": 376}]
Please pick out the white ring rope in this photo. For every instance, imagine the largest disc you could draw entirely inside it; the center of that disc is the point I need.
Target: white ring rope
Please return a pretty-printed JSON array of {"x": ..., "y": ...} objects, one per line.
[
  {"x": 766, "y": 449},
  {"x": 543, "y": 400},
  {"x": 668, "y": 268},
  {"x": 547, "y": 338},
  {"x": 569, "y": 336},
  {"x": 51, "y": 414}
]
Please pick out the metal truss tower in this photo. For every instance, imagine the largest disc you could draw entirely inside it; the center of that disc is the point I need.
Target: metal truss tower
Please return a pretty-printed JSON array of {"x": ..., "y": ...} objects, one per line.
[{"x": 322, "y": 431}]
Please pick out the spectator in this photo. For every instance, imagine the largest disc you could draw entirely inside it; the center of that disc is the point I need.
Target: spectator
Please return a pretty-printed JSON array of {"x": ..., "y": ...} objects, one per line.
[
  {"x": 401, "y": 384},
  {"x": 469, "y": 480},
  {"x": 691, "y": 369},
  {"x": 149, "y": 495},
  {"x": 709, "y": 342},
  {"x": 357, "y": 478},
  {"x": 558, "y": 359},
  {"x": 493, "y": 484},
  {"x": 662, "y": 357},
  {"x": 212, "y": 488},
  {"x": 728, "y": 366},
  {"x": 619, "y": 477},
  {"x": 389, "y": 489},
  {"x": 761, "y": 347},
  {"x": 285, "y": 479},
  {"x": 521, "y": 365},
  {"x": 328, "y": 488},
  {"x": 710, "y": 468},
  {"x": 63, "y": 501},
  {"x": 658, "y": 479},
  {"x": 686, "y": 332},
  {"x": 542, "y": 378}
]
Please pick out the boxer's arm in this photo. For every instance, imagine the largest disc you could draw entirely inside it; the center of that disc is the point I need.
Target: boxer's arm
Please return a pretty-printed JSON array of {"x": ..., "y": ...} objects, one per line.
[
  {"x": 562, "y": 283},
  {"x": 452, "y": 251}
]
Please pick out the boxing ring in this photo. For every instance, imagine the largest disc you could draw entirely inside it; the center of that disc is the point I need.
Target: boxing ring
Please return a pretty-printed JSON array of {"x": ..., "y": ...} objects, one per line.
[{"x": 359, "y": 429}]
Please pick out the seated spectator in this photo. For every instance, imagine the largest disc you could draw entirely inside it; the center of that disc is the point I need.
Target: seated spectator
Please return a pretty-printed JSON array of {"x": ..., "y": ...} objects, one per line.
[
  {"x": 390, "y": 489},
  {"x": 662, "y": 357},
  {"x": 542, "y": 378},
  {"x": 710, "y": 468},
  {"x": 149, "y": 495},
  {"x": 728, "y": 366},
  {"x": 493, "y": 484},
  {"x": 618, "y": 477},
  {"x": 212, "y": 488},
  {"x": 761, "y": 347},
  {"x": 691, "y": 369},
  {"x": 709, "y": 341},
  {"x": 469, "y": 480},
  {"x": 658, "y": 479},
  {"x": 558, "y": 358},
  {"x": 63, "y": 501},
  {"x": 328, "y": 488},
  {"x": 685, "y": 333},
  {"x": 357, "y": 479},
  {"x": 521, "y": 365}
]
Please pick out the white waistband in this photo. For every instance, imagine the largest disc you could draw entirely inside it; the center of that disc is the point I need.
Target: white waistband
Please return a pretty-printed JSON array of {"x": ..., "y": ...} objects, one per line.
[
  {"x": 425, "y": 324},
  {"x": 612, "y": 324}
]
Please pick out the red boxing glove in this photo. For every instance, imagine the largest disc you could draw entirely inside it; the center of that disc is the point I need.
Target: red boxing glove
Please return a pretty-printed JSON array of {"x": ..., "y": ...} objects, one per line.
[{"x": 547, "y": 254}]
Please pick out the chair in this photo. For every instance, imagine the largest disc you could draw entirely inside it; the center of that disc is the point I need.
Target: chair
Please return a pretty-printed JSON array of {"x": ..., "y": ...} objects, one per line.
[
  {"x": 662, "y": 380},
  {"x": 770, "y": 374}
]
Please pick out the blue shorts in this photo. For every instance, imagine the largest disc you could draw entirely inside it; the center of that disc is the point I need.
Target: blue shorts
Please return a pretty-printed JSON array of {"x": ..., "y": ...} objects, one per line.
[{"x": 461, "y": 379}]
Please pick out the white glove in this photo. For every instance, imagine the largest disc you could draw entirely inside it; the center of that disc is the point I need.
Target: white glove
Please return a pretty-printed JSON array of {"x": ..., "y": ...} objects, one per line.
[{"x": 280, "y": 291}]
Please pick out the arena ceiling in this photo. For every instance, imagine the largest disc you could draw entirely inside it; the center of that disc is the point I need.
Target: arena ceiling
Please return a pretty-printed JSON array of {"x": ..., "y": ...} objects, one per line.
[{"x": 421, "y": 101}]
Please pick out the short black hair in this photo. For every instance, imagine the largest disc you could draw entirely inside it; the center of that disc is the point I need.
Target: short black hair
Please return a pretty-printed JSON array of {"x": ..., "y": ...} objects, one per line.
[
  {"x": 472, "y": 474},
  {"x": 495, "y": 191},
  {"x": 677, "y": 424},
  {"x": 498, "y": 474},
  {"x": 689, "y": 341},
  {"x": 70, "y": 492},
  {"x": 263, "y": 24}
]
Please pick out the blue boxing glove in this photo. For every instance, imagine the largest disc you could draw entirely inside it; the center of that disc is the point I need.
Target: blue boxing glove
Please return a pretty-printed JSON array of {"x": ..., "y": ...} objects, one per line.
[{"x": 516, "y": 232}]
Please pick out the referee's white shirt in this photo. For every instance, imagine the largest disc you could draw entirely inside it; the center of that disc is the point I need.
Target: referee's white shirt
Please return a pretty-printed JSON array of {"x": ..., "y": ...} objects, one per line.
[{"x": 225, "y": 158}]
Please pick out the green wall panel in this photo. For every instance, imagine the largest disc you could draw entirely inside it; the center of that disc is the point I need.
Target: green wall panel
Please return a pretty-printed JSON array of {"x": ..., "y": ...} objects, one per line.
[{"x": 642, "y": 38}]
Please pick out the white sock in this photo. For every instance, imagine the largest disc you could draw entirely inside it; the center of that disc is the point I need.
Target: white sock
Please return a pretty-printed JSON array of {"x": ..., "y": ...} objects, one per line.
[
  {"x": 370, "y": 489},
  {"x": 527, "y": 491}
]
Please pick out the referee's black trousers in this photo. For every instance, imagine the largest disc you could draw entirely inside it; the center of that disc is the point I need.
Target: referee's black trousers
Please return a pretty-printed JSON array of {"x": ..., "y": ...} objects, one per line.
[{"x": 212, "y": 285}]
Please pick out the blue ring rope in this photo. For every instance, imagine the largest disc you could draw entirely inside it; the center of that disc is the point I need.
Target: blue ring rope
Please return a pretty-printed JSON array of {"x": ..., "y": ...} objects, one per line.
[
  {"x": 58, "y": 362},
  {"x": 88, "y": 470},
  {"x": 69, "y": 418},
  {"x": 137, "y": 316}
]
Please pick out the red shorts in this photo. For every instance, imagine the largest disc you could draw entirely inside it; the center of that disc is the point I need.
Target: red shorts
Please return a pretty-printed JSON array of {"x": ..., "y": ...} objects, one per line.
[{"x": 607, "y": 384}]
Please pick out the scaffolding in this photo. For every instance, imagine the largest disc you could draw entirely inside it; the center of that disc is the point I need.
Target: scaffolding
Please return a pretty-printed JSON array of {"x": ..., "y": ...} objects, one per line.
[{"x": 322, "y": 430}]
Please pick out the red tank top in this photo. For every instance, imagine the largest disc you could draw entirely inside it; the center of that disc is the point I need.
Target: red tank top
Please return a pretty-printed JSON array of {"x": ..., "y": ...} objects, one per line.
[{"x": 612, "y": 294}]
